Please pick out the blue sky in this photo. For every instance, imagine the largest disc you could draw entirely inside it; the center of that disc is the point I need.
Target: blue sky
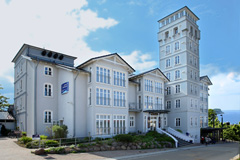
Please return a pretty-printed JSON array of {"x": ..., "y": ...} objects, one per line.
[{"x": 129, "y": 27}]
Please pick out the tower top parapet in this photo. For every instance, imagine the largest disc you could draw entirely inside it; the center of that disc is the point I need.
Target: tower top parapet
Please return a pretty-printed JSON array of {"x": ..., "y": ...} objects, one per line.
[{"x": 185, "y": 11}]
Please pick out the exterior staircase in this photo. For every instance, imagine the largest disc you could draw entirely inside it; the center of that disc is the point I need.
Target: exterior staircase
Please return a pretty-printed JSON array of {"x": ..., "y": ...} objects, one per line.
[{"x": 182, "y": 143}]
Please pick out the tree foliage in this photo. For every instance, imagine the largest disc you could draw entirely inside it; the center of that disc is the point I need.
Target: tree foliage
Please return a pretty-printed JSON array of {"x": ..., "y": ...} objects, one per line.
[
  {"x": 212, "y": 116},
  {"x": 3, "y": 101}
]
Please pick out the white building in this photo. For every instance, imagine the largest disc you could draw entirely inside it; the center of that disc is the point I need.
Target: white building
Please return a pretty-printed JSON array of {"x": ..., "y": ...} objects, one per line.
[
  {"x": 178, "y": 38},
  {"x": 98, "y": 97},
  {"x": 103, "y": 96}
]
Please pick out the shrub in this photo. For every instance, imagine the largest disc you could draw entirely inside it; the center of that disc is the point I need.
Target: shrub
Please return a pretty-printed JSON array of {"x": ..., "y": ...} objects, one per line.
[
  {"x": 42, "y": 137},
  {"x": 60, "y": 131},
  {"x": 34, "y": 144},
  {"x": 24, "y": 133},
  {"x": 25, "y": 140},
  {"x": 81, "y": 145},
  {"x": 124, "y": 138},
  {"x": 179, "y": 130},
  {"x": 51, "y": 143},
  {"x": 87, "y": 139},
  {"x": 55, "y": 150},
  {"x": 98, "y": 139}
]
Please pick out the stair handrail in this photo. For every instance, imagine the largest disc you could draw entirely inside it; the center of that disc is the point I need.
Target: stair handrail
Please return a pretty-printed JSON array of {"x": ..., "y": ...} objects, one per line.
[
  {"x": 179, "y": 135},
  {"x": 159, "y": 130}
]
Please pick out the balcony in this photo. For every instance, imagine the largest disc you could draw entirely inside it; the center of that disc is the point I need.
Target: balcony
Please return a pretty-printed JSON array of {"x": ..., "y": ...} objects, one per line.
[
  {"x": 135, "y": 107},
  {"x": 157, "y": 108}
]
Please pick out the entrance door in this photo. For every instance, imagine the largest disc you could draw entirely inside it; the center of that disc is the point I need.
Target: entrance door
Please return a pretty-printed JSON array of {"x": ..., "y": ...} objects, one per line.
[{"x": 153, "y": 123}]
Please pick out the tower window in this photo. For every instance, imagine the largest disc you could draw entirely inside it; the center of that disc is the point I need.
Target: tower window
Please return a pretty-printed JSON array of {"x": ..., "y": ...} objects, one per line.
[
  {"x": 176, "y": 30},
  {"x": 178, "y": 103},
  {"x": 176, "y": 46},
  {"x": 168, "y": 49},
  {"x": 168, "y": 63},
  {"x": 178, "y": 88},
  {"x": 166, "y": 34},
  {"x": 177, "y": 74}
]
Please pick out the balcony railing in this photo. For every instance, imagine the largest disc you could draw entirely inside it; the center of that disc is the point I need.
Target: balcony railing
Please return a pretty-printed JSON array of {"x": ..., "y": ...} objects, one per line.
[
  {"x": 135, "y": 106},
  {"x": 151, "y": 106}
]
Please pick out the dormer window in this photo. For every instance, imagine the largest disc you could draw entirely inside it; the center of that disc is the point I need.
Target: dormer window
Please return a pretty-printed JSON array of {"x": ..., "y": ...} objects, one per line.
[
  {"x": 48, "y": 71},
  {"x": 166, "y": 34}
]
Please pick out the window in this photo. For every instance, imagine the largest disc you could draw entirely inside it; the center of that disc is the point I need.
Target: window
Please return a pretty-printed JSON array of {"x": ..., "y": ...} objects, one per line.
[
  {"x": 168, "y": 49},
  {"x": 148, "y": 85},
  {"x": 168, "y": 90},
  {"x": 103, "y": 75},
  {"x": 176, "y": 16},
  {"x": 191, "y": 103},
  {"x": 90, "y": 75},
  {"x": 191, "y": 59},
  {"x": 191, "y": 74},
  {"x": 190, "y": 45},
  {"x": 168, "y": 63},
  {"x": 177, "y": 74},
  {"x": 158, "y": 103},
  {"x": 176, "y": 30},
  {"x": 196, "y": 90},
  {"x": 201, "y": 122},
  {"x": 166, "y": 34},
  {"x": 148, "y": 102},
  {"x": 158, "y": 87},
  {"x": 103, "y": 97},
  {"x": 165, "y": 121},
  {"x": 119, "y": 124},
  {"x": 48, "y": 71},
  {"x": 47, "y": 90},
  {"x": 90, "y": 96},
  {"x": 191, "y": 88},
  {"x": 196, "y": 103},
  {"x": 196, "y": 121},
  {"x": 139, "y": 85},
  {"x": 119, "y": 78},
  {"x": 47, "y": 116},
  {"x": 191, "y": 31},
  {"x": 168, "y": 104},
  {"x": 168, "y": 76},
  {"x": 191, "y": 121},
  {"x": 132, "y": 121},
  {"x": 177, "y": 122},
  {"x": 195, "y": 75},
  {"x": 119, "y": 99},
  {"x": 178, "y": 103},
  {"x": 178, "y": 88},
  {"x": 177, "y": 46},
  {"x": 195, "y": 62},
  {"x": 103, "y": 124},
  {"x": 195, "y": 34},
  {"x": 177, "y": 60}
]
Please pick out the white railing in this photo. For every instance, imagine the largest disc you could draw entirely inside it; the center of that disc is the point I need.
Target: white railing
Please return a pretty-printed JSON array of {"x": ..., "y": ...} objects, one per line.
[
  {"x": 164, "y": 132},
  {"x": 179, "y": 135}
]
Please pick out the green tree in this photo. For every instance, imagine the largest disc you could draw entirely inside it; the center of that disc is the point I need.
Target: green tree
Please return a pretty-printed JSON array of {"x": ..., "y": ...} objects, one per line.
[
  {"x": 213, "y": 115},
  {"x": 3, "y": 101}
]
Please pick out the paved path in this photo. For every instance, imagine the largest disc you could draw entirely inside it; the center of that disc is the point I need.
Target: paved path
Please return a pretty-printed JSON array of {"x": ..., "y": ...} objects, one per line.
[{"x": 11, "y": 151}]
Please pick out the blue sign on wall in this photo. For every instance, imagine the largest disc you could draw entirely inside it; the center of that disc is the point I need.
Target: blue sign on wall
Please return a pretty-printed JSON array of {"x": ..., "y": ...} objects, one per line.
[{"x": 65, "y": 88}]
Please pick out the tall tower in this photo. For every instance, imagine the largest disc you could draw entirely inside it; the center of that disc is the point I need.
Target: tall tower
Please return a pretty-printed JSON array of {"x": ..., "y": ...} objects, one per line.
[{"x": 178, "y": 38}]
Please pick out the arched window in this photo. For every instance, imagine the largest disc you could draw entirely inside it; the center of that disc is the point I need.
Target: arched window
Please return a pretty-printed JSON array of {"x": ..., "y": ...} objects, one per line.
[
  {"x": 48, "y": 90},
  {"x": 48, "y": 116},
  {"x": 48, "y": 71}
]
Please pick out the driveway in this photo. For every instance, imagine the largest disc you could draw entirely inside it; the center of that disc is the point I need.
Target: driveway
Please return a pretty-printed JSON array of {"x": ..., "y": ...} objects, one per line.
[{"x": 9, "y": 150}]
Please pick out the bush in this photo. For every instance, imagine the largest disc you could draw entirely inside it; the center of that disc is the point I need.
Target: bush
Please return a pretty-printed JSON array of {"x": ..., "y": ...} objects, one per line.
[
  {"x": 81, "y": 145},
  {"x": 86, "y": 139},
  {"x": 24, "y": 133},
  {"x": 179, "y": 130},
  {"x": 25, "y": 140},
  {"x": 42, "y": 137},
  {"x": 55, "y": 150},
  {"x": 51, "y": 143},
  {"x": 60, "y": 131},
  {"x": 124, "y": 138}
]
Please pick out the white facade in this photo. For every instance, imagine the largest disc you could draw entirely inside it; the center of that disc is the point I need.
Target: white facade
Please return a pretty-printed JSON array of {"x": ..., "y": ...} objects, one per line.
[
  {"x": 101, "y": 100},
  {"x": 178, "y": 38}
]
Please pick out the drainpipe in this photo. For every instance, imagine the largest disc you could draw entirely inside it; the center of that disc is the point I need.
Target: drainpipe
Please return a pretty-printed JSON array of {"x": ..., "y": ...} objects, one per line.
[
  {"x": 35, "y": 98},
  {"x": 74, "y": 104}
]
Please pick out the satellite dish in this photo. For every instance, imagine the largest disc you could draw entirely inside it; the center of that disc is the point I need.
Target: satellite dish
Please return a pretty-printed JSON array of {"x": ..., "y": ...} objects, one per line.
[
  {"x": 49, "y": 54},
  {"x": 44, "y": 53},
  {"x": 55, "y": 56},
  {"x": 61, "y": 57}
]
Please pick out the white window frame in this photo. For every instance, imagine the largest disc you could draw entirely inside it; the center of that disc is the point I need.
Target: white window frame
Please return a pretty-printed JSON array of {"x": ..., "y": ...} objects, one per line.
[
  {"x": 120, "y": 82},
  {"x": 168, "y": 49},
  {"x": 123, "y": 120},
  {"x": 177, "y": 74},
  {"x": 177, "y": 104},
  {"x": 47, "y": 74},
  {"x": 168, "y": 63},
  {"x": 121, "y": 102},
  {"x": 96, "y": 98},
  {"x": 179, "y": 122},
  {"x": 90, "y": 96},
  {"x": 191, "y": 121},
  {"x": 177, "y": 48},
  {"x": 178, "y": 88},
  {"x": 158, "y": 87},
  {"x": 106, "y": 130},
  {"x": 48, "y": 84},
  {"x": 177, "y": 60},
  {"x": 132, "y": 121},
  {"x": 168, "y": 104},
  {"x": 47, "y": 117},
  {"x": 148, "y": 85},
  {"x": 168, "y": 75},
  {"x": 98, "y": 76},
  {"x": 168, "y": 90}
]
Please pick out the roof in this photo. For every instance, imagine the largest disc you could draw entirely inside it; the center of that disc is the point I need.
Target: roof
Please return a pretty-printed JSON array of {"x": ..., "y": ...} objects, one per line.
[
  {"x": 108, "y": 55},
  {"x": 6, "y": 116},
  {"x": 206, "y": 77},
  {"x": 178, "y": 11},
  {"x": 141, "y": 74},
  {"x": 27, "y": 45}
]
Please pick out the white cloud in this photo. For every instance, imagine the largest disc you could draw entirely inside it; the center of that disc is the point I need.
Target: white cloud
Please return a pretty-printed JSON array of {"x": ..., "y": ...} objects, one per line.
[
  {"x": 139, "y": 61},
  {"x": 225, "y": 91}
]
